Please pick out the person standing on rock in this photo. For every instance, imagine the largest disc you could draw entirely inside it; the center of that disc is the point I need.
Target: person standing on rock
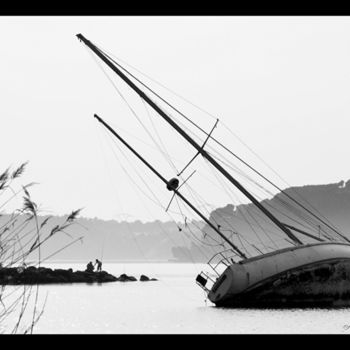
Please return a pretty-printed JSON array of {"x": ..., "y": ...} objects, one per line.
[{"x": 99, "y": 265}]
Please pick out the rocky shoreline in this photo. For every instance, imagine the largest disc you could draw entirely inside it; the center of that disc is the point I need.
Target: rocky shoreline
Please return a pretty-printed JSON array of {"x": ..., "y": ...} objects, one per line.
[{"x": 43, "y": 275}]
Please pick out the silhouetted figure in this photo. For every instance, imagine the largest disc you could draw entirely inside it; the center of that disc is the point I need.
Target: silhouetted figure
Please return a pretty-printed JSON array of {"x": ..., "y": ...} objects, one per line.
[
  {"x": 89, "y": 267},
  {"x": 99, "y": 265}
]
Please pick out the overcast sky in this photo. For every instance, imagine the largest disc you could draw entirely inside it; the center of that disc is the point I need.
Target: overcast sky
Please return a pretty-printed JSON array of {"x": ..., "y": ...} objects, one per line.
[{"x": 281, "y": 84}]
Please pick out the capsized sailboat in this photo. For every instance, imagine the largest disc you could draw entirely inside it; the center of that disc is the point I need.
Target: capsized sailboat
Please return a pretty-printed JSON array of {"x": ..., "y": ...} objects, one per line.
[{"x": 303, "y": 274}]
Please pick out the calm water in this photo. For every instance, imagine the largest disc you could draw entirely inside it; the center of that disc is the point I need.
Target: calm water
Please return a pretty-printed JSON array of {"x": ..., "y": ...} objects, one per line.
[{"x": 174, "y": 304}]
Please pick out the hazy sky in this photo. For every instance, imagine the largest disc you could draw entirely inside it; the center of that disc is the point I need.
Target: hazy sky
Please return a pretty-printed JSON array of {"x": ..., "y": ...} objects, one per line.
[{"x": 281, "y": 84}]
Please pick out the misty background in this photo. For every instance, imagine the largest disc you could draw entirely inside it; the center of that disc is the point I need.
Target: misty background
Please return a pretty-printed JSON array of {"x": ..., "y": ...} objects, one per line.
[{"x": 281, "y": 84}]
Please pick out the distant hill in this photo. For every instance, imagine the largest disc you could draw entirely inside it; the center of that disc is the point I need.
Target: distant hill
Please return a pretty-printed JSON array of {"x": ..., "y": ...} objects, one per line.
[
  {"x": 330, "y": 202},
  {"x": 112, "y": 240},
  {"x": 162, "y": 241}
]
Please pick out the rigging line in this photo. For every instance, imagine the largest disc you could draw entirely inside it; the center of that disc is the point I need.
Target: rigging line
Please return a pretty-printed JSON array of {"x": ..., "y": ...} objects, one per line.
[
  {"x": 197, "y": 198},
  {"x": 179, "y": 189},
  {"x": 185, "y": 217},
  {"x": 229, "y": 191},
  {"x": 152, "y": 137},
  {"x": 266, "y": 221},
  {"x": 277, "y": 198},
  {"x": 186, "y": 137},
  {"x": 296, "y": 211},
  {"x": 198, "y": 152},
  {"x": 220, "y": 158},
  {"x": 277, "y": 187},
  {"x": 251, "y": 225},
  {"x": 130, "y": 108},
  {"x": 267, "y": 235},
  {"x": 198, "y": 246},
  {"x": 158, "y": 136},
  {"x": 232, "y": 228},
  {"x": 142, "y": 141},
  {"x": 164, "y": 231},
  {"x": 189, "y": 251},
  {"x": 211, "y": 246},
  {"x": 283, "y": 214},
  {"x": 203, "y": 130},
  {"x": 112, "y": 182},
  {"x": 258, "y": 224},
  {"x": 293, "y": 210},
  {"x": 169, "y": 156},
  {"x": 299, "y": 231},
  {"x": 166, "y": 156},
  {"x": 241, "y": 211},
  {"x": 226, "y": 147},
  {"x": 309, "y": 212},
  {"x": 181, "y": 230},
  {"x": 246, "y": 250},
  {"x": 155, "y": 200},
  {"x": 176, "y": 110},
  {"x": 303, "y": 232},
  {"x": 205, "y": 235},
  {"x": 307, "y": 220},
  {"x": 110, "y": 55},
  {"x": 235, "y": 232},
  {"x": 158, "y": 202},
  {"x": 194, "y": 194}
]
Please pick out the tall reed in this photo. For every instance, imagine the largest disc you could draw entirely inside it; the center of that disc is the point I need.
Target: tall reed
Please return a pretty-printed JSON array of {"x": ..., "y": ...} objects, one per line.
[{"x": 23, "y": 233}]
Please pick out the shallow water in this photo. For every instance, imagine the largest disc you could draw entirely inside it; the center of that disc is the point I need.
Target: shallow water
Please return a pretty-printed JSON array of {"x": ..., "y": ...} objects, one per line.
[{"x": 174, "y": 304}]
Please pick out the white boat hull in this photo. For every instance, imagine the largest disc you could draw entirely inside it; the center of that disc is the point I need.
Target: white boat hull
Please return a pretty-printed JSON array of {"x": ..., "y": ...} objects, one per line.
[{"x": 308, "y": 275}]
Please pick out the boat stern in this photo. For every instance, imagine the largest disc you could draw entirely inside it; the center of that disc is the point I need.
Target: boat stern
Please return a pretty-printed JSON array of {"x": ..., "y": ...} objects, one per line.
[{"x": 218, "y": 288}]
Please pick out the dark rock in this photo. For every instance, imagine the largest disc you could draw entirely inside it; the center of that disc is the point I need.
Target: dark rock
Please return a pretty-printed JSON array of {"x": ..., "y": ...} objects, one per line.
[
  {"x": 31, "y": 269},
  {"x": 144, "y": 278},
  {"x": 125, "y": 278},
  {"x": 103, "y": 276},
  {"x": 42, "y": 275},
  {"x": 79, "y": 276}
]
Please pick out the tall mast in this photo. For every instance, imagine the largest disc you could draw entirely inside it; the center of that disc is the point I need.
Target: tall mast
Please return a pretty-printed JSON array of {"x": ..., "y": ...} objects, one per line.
[
  {"x": 207, "y": 156},
  {"x": 171, "y": 187}
]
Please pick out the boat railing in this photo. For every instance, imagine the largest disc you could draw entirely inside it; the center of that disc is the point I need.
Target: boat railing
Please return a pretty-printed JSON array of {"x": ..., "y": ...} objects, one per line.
[{"x": 218, "y": 263}]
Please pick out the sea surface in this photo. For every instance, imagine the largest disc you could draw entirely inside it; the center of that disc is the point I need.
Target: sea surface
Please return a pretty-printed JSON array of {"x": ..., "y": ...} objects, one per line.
[{"x": 174, "y": 304}]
